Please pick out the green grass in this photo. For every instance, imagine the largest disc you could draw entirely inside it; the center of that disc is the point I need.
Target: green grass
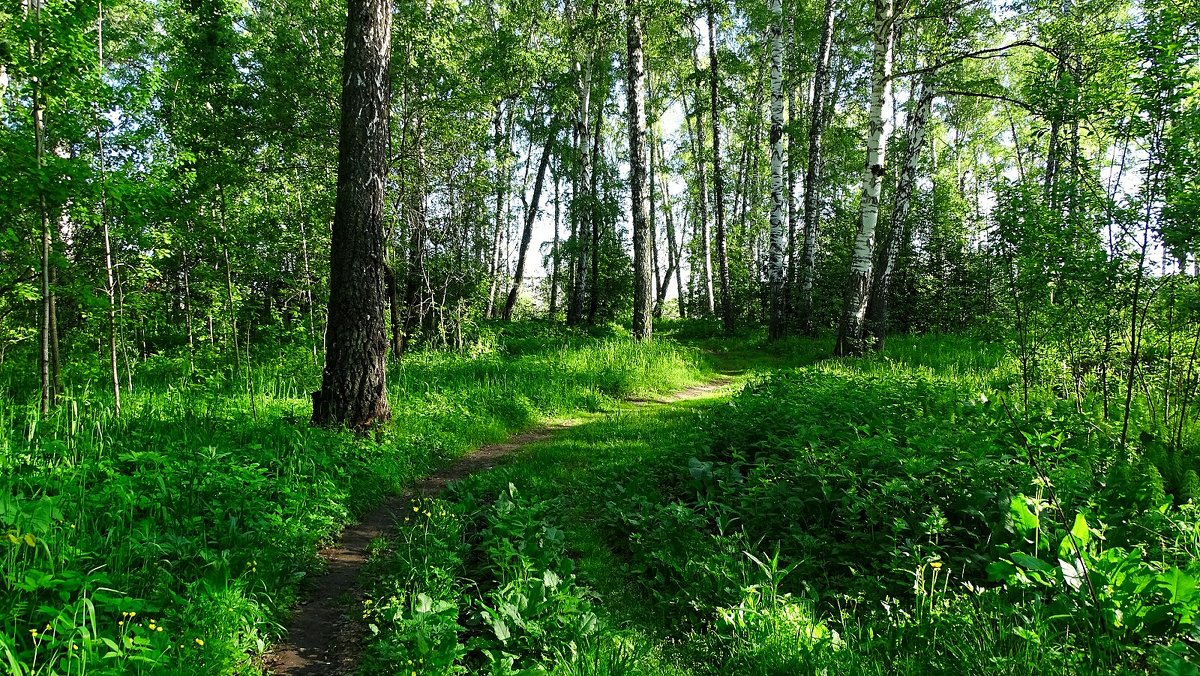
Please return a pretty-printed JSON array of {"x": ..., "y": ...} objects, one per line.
[
  {"x": 200, "y": 508},
  {"x": 867, "y": 516}
]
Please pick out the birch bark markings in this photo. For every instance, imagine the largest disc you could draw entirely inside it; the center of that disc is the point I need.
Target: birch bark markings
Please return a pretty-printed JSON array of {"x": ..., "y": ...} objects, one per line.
[
  {"x": 775, "y": 265},
  {"x": 643, "y": 280},
  {"x": 354, "y": 384},
  {"x": 851, "y": 338}
]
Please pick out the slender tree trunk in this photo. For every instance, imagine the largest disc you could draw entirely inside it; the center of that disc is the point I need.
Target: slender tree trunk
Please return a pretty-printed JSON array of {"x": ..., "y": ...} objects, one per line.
[
  {"x": 354, "y": 382},
  {"x": 530, "y": 217},
  {"x": 237, "y": 358},
  {"x": 812, "y": 174},
  {"x": 503, "y": 148},
  {"x": 308, "y": 277},
  {"x": 48, "y": 395},
  {"x": 851, "y": 338},
  {"x": 698, "y": 144},
  {"x": 643, "y": 312},
  {"x": 674, "y": 262},
  {"x": 877, "y": 308},
  {"x": 775, "y": 266},
  {"x": 582, "y": 210},
  {"x": 594, "y": 214},
  {"x": 727, "y": 318},
  {"x": 109, "y": 284},
  {"x": 554, "y": 251}
]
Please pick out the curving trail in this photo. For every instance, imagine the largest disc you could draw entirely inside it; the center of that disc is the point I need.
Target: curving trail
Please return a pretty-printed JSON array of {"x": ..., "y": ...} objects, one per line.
[{"x": 321, "y": 637}]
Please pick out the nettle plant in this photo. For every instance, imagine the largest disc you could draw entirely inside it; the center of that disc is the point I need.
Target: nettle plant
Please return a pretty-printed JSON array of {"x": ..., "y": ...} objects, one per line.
[{"x": 1113, "y": 594}]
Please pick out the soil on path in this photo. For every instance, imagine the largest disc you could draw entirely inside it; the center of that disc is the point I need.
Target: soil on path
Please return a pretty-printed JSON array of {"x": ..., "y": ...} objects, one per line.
[{"x": 322, "y": 638}]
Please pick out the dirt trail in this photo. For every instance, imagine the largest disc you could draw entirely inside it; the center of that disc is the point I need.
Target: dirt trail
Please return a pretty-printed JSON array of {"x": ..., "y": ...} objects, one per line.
[{"x": 321, "y": 638}]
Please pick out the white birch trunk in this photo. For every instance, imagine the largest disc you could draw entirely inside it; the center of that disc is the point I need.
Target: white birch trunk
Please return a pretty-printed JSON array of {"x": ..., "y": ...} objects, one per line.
[
  {"x": 851, "y": 332},
  {"x": 775, "y": 264}
]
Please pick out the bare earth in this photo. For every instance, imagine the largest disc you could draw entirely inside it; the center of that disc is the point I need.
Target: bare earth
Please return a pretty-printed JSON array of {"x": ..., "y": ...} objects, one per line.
[{"x": 321, "y": 638}]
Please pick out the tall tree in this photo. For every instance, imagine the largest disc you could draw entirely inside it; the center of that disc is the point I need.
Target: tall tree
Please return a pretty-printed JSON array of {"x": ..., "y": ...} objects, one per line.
[
  {"x": 643, "y": 243},
  {"x": 718, "y": 177},
  {"x": 354, "y": 382},
  {"x": 877, "y": 308},
  {"x": 851, "y": 332},
  {"x": 812, "y": 173},
  {"x": 530, "y": 217},
  {"x": 775, "y": 266}
]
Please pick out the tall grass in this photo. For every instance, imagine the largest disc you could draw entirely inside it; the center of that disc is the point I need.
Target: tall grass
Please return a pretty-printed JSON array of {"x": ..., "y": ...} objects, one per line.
[{"x": 175, "y": 535}]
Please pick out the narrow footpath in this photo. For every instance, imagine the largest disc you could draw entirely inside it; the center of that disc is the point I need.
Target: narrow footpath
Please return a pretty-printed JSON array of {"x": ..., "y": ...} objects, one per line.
[{"x": 322, "y": 638}]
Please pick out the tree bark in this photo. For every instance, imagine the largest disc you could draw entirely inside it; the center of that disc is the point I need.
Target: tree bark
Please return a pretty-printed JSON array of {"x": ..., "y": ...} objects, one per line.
[
  {"x": 851, "y": 332},
  {"x": 582, "y": 202},
  {"x": 643, "y": 280},
  {"x": 354, "y": 382},
  {"x": 109, "y": 283},
  {"x": 554, "y": 250}
]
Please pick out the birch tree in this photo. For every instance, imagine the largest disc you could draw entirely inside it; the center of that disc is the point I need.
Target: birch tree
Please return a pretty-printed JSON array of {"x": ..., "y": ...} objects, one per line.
[
  {"x": 851, "y": 332},
  {"x": 877, "y": 309},
  {"x": 775, "y": 266}
]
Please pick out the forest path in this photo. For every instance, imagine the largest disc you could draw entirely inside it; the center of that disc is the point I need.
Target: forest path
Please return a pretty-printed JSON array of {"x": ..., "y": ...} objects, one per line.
[{"x": 321, "y": 637}]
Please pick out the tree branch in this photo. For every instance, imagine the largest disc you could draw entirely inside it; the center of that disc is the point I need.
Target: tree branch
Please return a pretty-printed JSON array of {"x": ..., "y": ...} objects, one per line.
[{"x": 989, "y": 53}]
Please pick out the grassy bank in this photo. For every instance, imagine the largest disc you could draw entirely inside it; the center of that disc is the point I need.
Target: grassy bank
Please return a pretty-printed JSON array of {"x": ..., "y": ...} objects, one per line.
[{"x": 176, "y": 535}]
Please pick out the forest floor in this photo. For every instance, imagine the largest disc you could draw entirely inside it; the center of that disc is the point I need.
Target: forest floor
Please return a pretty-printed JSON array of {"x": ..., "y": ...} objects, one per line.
[{"x": 324, "y": 637}]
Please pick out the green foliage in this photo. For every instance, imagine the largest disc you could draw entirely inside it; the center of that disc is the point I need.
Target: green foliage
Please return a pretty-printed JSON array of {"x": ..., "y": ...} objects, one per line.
[{"x": 202, "y": 506}]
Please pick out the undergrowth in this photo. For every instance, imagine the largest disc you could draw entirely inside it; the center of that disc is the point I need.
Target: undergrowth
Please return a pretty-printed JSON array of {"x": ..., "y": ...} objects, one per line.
[
  {"x": 175, "y": 536},
  {"x": 900, "y": 514}
]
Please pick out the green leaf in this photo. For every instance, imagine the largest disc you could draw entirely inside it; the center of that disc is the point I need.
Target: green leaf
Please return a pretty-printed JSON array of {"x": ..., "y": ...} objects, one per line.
[{"x": 1031, "y": 563}]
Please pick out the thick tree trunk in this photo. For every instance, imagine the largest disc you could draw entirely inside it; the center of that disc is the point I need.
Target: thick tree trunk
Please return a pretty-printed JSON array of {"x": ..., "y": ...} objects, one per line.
[
  {"x": 354, "y": 382},
  {"x": 851, "y": 332},
  {"x": 643, "y": 246},
  {"x": 877, "y": 309},
  {"x": 812, "y": 174},
  {"x": 775, "y": 266},
  {"x": 530, "y": 217},
  {"x": 727, "y": 317}
]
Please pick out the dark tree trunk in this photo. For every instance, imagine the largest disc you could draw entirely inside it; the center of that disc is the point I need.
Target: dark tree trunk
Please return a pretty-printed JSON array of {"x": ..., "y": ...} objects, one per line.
[
  {"x": 643, "y": 280},
  {"x": 812, "y": 174},
  {"x": 354, "y": 382},
  {"x": 727, "y": 318},
  {"x": 530, "y": 217}
]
